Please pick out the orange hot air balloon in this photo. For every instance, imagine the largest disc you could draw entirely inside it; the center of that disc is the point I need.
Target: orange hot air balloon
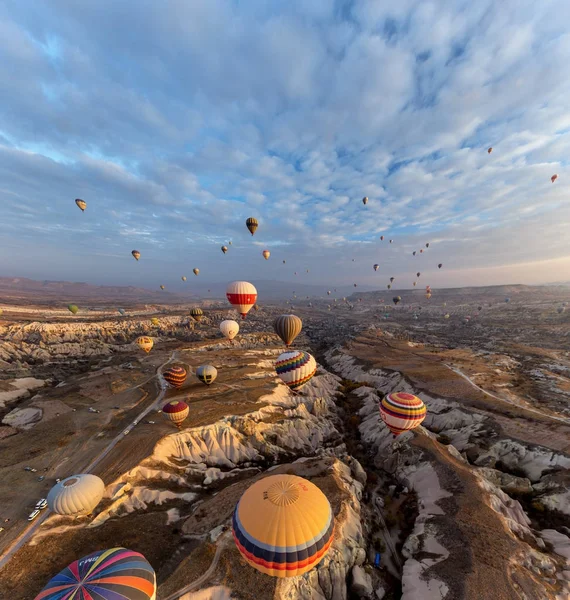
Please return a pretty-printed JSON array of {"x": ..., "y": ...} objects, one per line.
[
  {"x": 175, "y": 376},
  {"x": 81, "y": 204},
  {"x": 266, "y": 254},
  {"x": 554, "y": 178},
  {"x": 145, "y": 343},
  {"x": 402, "y": 412}
]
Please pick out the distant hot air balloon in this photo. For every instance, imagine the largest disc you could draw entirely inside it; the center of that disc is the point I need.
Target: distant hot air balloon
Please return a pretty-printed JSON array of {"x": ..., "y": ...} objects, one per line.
[
  {"x": 428, "y": 295},
  {"x": 252, "y": 225},
  {"x": 176, "y": 411},
  {"x": 105, "y": 575},
  {"x": 73, "y": 309},
  {"x": 376, "y": 267},
  {"x": 230, "y": 243},
  {"x": 162, "y": 287},
  {"x": 446, "y": 316},
  {"x": 242, "y": 295},
  {"x": 418, "y": 274},
  {"x": 421, "y": 250},
  {"x": 206, "y": 374},
  {"x": 440, "y": 265},
  {"x": 391, "y": 241},
  {"x": 295, "y": 368},
  {"x": 364, "y": 200},
  {"x": 284, "y": 262},
  {"x": 427, "y": 245},
  {"x": 81, "y": 203},
  {"x": 389, "y": 286},
  {"x": 283, "y": 525},
  {"x": 415, "y": 283},
  {"x": 414, "y": 253},
  {"x": 266, "y": 254},
  {"x": 287, "y": 327},
  {"x": 560, "y": 310},
  {"x": 145, "y": 343},
  {"x": 183, "y": 278},
  {"x": 355, "y": 285},
  {"x": 197, "y": 314},
  {"x": 136, "y": 254},
  {"x": 76, "y": 495},
  {"x": 479, "y": 308},
  {"x": 382, "y": 238},
  {"x": 507, "y": 299},
  {"x": 122, "y": 311},
  {"x": 402, "y": 412},
  {"x": 396, "y": 299},
  {"x": 229, "y": 329},
  {"x": 175, "y": 376},
  {"x": 489, "y": 150},
  {"x": 196, "y": 271},
  {"x": 154, "y": 321},
  {"x": 554, "y": 178},
  {"x": 329, "y": 293},
  {"x": 392, "y": 279},
  {"x": 224, "y": 249}
]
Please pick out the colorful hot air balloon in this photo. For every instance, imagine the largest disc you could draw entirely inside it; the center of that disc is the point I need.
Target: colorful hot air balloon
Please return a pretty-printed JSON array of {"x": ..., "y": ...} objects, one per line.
[
  {"x": 283, "y": 525},
  {"x": 112, "y": 574},
  {"x": 81, "y": 203},
  {"x": 207, "y": 374},
  {"x": 224, "y": 249},
  {"x": 76, "y": 495},
  {"x": 183, "y": 278},
  {"x": 175, "y": 376},
  {"x": 72, "y": 308},
  {"x": 197, "y": 314},
  {"x": 196, "y": 271},
  {"x": 145, "y": 343},
  {"x": 381, "y": 238},
  {"x": 554, "y": 178},
  {"x": 242, "y": 295},
  {"x": 396, "y": 299},
  {"x": 176, "y": 411},
  {"x": 507, "y": 300},
  {"x": 136, "y": 254},
  {"x": 266, "y": 254},
  {"x": 489, "y": 150},
  {"x": 162, "y": 287},
  {"x": 287, "y": 327},
  {"x": 428, "y": 294},
  {"x": 376, "y": 267},
  {"x": 295, "y": 368},
  {"x": 154, "y": 321},
  {"x": 252, "y": 225},
  {"x": 365, "y": 200},
  {"x": 440, "y": 265},
  {"x": 402, "y": 412},
  {"x": 229, "y": 329}
]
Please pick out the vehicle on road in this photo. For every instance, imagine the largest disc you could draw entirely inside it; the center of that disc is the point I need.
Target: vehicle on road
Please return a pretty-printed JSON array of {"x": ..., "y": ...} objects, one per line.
[
  {"x": 58, "y": 480},
  {"x": 41, "y": 504},
  {"x": 125, "y": 432},
  {"x": 1, "y": 529},
  {"x": 41, "y": 477},
  {"x": 33, "y": 515},
  {"x": 150, "y": 422}
]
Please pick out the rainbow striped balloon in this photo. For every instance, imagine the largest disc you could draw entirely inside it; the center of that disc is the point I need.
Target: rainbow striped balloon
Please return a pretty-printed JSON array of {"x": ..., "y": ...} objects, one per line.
[
  {"x": 402, "y": 412},
  {"x": 112, "y": 574},
  {"x": 175, "y": 376},
  {"x": 295, "y": 368}
]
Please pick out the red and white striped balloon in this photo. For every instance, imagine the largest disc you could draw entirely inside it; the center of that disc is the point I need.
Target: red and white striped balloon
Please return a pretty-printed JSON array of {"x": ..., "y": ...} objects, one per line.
[{"x": 242, "y": 295}]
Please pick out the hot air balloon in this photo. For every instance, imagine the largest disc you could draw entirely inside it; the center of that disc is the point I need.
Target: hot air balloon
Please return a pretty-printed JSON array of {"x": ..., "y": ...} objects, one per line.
[
  {"x": 197, "y": 314},
  {"x": 154, "y": 321},
  {"x": 295, "y": 368},
  {"x": 554, "y": 178},
  {"x": 196, "y": 271},
  {"x": 136, "y": 254},
  {"x": 329, "y": 293},
  {"x": 256, "y": 306},
  {"x": 162, "y": 287},
  {"x": 176, "y": 411},
  {"x": 207, "y": 374},
  {"x": 428, "y": 295},
  {"x": 396, "y": 299},
  {"x": 507, "y": 300},
  {"x": 242, "y": 295},
  {"x": 287, "y": 327},
  {"x": 283, "y": 525},
  {"x": 73, "y": 309},
  {"x": 229, "y": 329},
  {"x": 381, "y": 238},
  {"x": 283, "y": 262},
  {"x": 392, "y": 279},
  {"x": 224, "y": 249},
  {"x": 105, "y": 575},
  {"x": 402, "y": 412},
  {"x": 489, "y": 150},
  {"x": 183, "y": 278},
  {"x": 440, "y": 265},
  {"x": 389, "y": 286},
  {"x": 145, "y": 343},
  {"x": 76, "y": 495},
  {"x": 266, "y": 254},
  {"x": 355, "y": 285},
  {"x": 421, "y": 250},
  {"x": 427, "y": 245},
  {"x": 376, "y": 267},
  {"x": 446, "y": 316},
  {"x": 414, "y": 253},
  {"x": 391, "y": 241},
  {"x": 365, "y": 200},
  {"x": 418, "y": 274},
  {"x": 81, "y": 203},
  {"x": 230, "y": 243},
  {"x": 122, "y": 311},
  {"x": 252, "y": 225},
  {"x": 175, "y": 376}
]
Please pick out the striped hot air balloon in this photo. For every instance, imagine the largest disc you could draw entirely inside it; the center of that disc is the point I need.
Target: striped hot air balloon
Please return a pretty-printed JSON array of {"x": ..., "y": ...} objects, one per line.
[
  {"x": 287, "y": 327},
  {"x": 401, "y": 412},
  {"x": 105, "y": 575},
  {"x": 295, "y": 368},
  {"x": 145, "y": 343},
  {"x": 242, "y": 295},
  {"x": 175, "y": 376},
  {"x": 197, "y": 314},
  {"x": 176, "y": 411},
  {"x": 207, "y": 374},
  {"x": 252, "y": 225},
  {"x": 283, "y": 525}
]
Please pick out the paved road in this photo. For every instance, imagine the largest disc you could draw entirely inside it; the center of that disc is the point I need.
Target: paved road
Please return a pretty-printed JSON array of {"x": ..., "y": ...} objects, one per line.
[{"x": 33, "y": 527}]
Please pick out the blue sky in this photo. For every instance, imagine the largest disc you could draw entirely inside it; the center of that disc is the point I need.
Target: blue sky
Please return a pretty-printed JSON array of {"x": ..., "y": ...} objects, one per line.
[{"x": 177, "y": 120}]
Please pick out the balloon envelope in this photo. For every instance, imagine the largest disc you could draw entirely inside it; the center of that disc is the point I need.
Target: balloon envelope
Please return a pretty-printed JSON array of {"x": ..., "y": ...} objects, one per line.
[
  {"x": 175, "y": 376},
  {"x": 287, "y": 327},
  {"x": 76, "y": 495},
  {"x": 206, "y": 374},
  {"x": 242, "y": 295},
  {"x": 176, "y": 411},
  {"x": 252, "y": 224},
  {"x": 145, "y": 343},
  {"x": 197, "y": 314},
  {"x": 295, "y": 368},
  {"x": 229, "y": 329},
  {"x": 73, "y": 309},
  {"x": 136, "y": 254},
  {"x": 266, "y": 254},
  {"x": 401, "y": 411},
  {"x": 81, "y": 203}
]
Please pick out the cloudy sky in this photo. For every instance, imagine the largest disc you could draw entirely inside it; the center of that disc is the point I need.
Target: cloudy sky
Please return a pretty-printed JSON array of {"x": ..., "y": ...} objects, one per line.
[{"x": 177, "y": 120}]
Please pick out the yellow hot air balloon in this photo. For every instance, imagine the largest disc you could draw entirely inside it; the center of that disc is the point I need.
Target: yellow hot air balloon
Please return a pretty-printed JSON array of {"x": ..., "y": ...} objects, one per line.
[
  {"x": 136, "y": 254},
  {"x": 283, "y": 525},
  {"x": 252, "y": 225},
  {"x": 266, "y": 254},
  {"x": 287, "y": 327},
  {"x": 145, "y": 343},
  {"x": 73, "y": 309},
  {"x": 197, "y": 314},
  {"x": 81, "y": 203},
  {"x": 154, "y": 321},
  {"x": 196, "y": 271}
]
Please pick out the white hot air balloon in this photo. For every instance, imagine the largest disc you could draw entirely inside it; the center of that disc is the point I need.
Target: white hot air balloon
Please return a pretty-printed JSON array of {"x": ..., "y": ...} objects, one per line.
[
  {"x": 295, "y": 368},
  {"x": 242, "y": 295},
  {"x": 76, "y": 495},
  {"x": 229, "y": 329}
]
